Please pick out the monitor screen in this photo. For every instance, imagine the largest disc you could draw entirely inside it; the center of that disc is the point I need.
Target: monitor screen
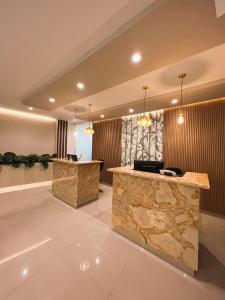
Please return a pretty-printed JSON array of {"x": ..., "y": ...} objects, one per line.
[
  {"x": 72, "y": 157},
  {"x": 148, "y": 166}
]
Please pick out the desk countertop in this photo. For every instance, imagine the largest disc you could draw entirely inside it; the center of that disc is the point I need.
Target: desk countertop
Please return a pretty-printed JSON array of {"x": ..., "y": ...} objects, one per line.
[
  {"x": 76, "y": 163},
  {"x": 189, "y": 178}
]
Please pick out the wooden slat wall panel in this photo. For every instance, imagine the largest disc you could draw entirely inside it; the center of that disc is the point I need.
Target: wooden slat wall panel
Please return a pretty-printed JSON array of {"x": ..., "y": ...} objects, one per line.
[
  {"x": 107, "y": 145},
  {"x": 62, "y": 138},
  {"x": 199, "y": 145}
]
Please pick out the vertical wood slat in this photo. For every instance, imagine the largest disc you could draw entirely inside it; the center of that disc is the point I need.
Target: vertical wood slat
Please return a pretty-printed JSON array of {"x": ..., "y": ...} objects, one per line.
[
  {"x": 107, "y": 145},
  {"x": 199, "y": 146},
  {"x": 62, "y": 138}
]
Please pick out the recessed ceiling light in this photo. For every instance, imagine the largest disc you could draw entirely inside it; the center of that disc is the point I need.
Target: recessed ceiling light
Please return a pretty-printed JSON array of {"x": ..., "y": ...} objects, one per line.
[
  {"x": 136, "y": 58},
  {"x": 30, "y": 108},
  {"x": 102, "y": 116},
  {"x": 174, "y": 101},
  {"x": 80, "y": 85},
  {"x": 131, "y": 110},
  {"x": 52, "y": 100}
]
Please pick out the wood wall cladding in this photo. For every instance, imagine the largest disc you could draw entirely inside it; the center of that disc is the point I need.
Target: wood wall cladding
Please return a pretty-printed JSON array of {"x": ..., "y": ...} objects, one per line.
[
  {"x": 107, "y": 145},
  {"x": 199, "y": 146},
  {"x": 62, "y": 138}
]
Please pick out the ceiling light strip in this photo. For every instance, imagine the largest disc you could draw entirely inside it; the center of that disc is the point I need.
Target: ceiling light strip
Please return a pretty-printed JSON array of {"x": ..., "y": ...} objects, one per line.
[{"x": 17, "y": 113}]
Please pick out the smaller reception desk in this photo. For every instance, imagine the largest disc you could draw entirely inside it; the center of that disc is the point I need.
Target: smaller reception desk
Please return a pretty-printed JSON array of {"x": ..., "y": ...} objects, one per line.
[
  {"x": 76, "y": 183},
  {"x": 160, "y": 213}
]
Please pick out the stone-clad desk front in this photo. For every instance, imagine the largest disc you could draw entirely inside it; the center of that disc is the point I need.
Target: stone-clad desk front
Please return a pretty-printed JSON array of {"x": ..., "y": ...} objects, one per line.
[
  {"x": 76, "y": 183},
  {"x": 160, "y": 213}
]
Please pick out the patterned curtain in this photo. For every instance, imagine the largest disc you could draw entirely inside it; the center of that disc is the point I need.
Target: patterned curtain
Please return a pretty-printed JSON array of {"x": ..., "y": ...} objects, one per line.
[
  {"x": 142, "y": 143},
  {"x": 62, "y": 139}
]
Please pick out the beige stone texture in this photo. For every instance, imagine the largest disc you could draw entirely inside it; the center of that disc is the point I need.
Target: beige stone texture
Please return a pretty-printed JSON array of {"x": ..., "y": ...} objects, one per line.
[
  {"x": 159, "y": 214},
  {"x": 76, "y": 183},
  {"x": 200, "y": 180}
]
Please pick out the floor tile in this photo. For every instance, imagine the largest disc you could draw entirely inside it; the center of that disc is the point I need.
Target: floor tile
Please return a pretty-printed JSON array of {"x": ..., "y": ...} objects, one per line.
[
  {"x": 16, "y": 239},
  {"x": 15, "y": 270},
  {"x": 59, "y": 280},
  {"x": 49, "y": 250},
  {"x": 147, "y": 277},
  {"x": 89, "y": 256}
]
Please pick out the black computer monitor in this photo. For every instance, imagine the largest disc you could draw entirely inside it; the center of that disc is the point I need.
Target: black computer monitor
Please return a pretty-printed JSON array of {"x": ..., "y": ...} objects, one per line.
[
  {"x": 148, "y": 166},
  {"x": 72, "y": 156}
]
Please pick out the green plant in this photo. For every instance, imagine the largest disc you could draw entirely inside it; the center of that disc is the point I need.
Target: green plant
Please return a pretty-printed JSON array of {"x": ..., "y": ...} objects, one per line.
[
  {"x": 17, "y": 161},
  {"x": 8, "y": 157},
  {"x": 44, "y": 159},
  {"x": 30, "y": 160}
]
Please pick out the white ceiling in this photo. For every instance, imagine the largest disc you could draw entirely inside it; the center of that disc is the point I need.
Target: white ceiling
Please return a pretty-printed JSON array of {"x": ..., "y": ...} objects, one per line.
[
  {"x": 40, "y": 39},
  {"x": 203, "y": 68}
]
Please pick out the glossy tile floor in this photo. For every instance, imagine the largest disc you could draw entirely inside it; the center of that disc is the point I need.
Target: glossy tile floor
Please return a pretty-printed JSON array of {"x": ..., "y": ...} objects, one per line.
[{"x": 49, "y": 250}]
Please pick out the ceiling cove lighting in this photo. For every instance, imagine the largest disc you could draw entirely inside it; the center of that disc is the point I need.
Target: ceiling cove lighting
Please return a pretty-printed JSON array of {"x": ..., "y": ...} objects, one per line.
[
  {"x": 144, "y": 121},
  {"x": 75, "y": 122},
  {"x": 174, "y": 101},
  {"x": 25, "y": 115},
  {"x": 131, "y": 110},
  {"x": 89, "y": 130},
  {"x": 180, "y": 114},
  {"x": 52, "y": 100},
  {"x": 80, "y": 85},
  {"x": 136, "y": 57}
]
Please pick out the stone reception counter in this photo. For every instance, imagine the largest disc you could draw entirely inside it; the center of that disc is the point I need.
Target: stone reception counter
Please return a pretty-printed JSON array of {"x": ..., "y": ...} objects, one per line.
[
  {"x": 160, "y": 213},
  {"x": 76, "y": 183}
]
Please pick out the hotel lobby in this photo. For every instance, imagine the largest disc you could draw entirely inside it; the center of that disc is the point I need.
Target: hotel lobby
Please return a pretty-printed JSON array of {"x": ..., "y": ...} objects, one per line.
[{"x": 112, "y": 156}]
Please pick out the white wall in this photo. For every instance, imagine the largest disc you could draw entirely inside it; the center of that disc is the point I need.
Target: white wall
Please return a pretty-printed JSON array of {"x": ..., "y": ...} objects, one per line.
[
  {"x": 71, "y": 139},
  {"x": 24, "y": 135},
  {"x": 83, "y": 143}
]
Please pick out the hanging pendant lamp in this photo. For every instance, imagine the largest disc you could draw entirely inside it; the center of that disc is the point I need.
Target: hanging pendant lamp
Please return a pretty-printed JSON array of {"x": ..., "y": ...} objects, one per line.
[
  {"x": 144, "y": 120},
  {"x": 89, "y": 130},
  {"x": 180, "y": 114}
]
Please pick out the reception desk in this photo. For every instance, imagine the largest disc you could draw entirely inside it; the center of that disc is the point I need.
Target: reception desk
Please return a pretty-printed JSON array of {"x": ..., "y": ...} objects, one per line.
[
  {"x": 160, "y": 213},
  {"x": 76, "y": 183}
]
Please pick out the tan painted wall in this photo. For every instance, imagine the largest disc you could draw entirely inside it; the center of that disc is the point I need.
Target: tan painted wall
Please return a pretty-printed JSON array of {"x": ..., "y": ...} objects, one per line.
[{"x": 26, "y": 135}]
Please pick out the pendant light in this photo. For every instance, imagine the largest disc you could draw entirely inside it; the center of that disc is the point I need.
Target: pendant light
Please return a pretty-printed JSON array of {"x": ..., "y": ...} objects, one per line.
[
  {"x": 75, "y": 122},
  {"x": 144, "y": 121},
  {"x": 89, "y": 130},
  {"x": 180, "y": 114}
]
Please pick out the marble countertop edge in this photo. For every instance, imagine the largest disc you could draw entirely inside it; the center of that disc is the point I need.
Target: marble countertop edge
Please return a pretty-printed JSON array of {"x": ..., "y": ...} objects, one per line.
[
  {"x": 76, "y": 163},
  {"x": 199, "y": 180}
]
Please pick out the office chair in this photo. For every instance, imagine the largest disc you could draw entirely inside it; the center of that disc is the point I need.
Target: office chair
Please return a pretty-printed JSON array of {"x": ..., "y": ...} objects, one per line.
[
  {"x": 178, "y": 171},
  {"x": 101, "y": 168}
]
